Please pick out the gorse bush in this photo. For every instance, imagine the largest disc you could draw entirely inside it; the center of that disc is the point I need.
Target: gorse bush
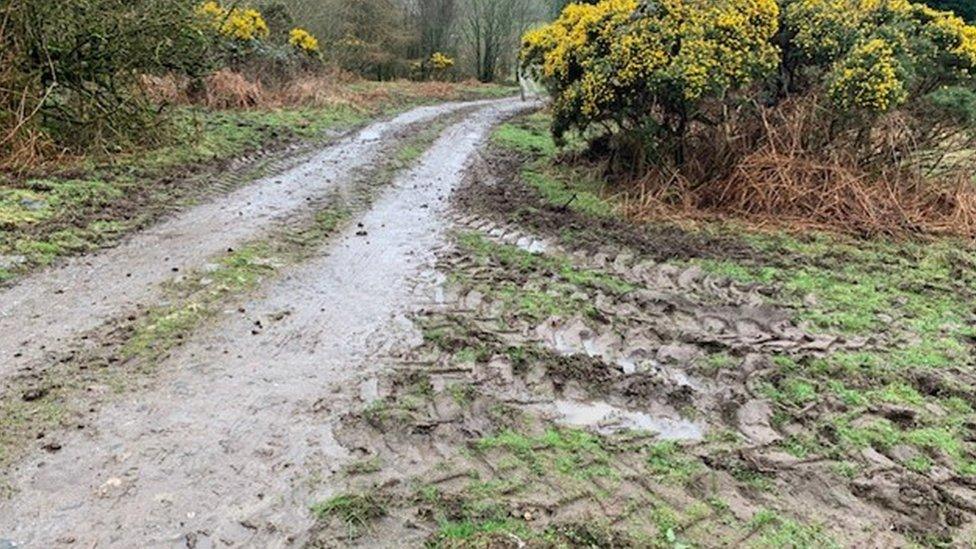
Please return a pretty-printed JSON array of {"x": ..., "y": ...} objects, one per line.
[
  {"x": 963, "y": 8},
  {"x": 437, "y": 67},
  {"x": 877, "y": 54},
  {"x": 273, "y": 49},
  {"x": 644, "y": 67},
  {"x": 692, "y": 90},
  {"x": 303, "y": 40},
  {"x": 654, "y": 67},
  {"x": 244, "y": 24}
]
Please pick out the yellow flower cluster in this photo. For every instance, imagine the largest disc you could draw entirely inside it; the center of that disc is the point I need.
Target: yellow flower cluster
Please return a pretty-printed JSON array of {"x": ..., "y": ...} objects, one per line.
[
  {"x": 441, "y": 62},
  {"x": 244, "y": 24},
  {"x": 869, "y": 47},
  {"x": 598, "y": 58},
  {"x": 303, "y": 40},
  {"x": 867, "y": 79},
  {"x": 827, "y": 29},
  {"x": 950, "y": 33}
]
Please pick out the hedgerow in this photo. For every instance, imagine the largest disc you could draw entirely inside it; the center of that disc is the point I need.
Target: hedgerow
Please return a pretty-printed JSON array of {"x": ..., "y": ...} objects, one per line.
[{"x": 70, "y": 68}]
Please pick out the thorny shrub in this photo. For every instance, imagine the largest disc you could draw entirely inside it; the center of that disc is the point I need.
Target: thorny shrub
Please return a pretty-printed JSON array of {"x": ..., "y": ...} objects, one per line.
[
  {"x": 695, "y": 94},
  {"x": 74, "y": 73}
]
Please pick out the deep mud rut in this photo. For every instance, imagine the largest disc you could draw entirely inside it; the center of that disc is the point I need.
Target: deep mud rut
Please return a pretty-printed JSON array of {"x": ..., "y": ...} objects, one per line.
[
  {"x": 564, "y": 395},
  {"x": 228, "y": 446}
]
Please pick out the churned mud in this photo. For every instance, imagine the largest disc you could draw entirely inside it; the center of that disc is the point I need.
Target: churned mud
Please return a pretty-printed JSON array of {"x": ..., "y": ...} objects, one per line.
[
  {"x": 603, "y": 391},
  {"x": 444, "y": 356}
]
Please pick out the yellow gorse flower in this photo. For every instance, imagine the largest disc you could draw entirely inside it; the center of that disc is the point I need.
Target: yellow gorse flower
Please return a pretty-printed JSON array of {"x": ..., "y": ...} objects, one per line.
[
  {"x": 867, "y": 79},
  {"x": 244, "y": 24},
  {"x": 599, "y": 56},
  {"x": 618, "y": 58},
  {"x": 441, "y": 62},
  {"x": 303, "y": 40}
]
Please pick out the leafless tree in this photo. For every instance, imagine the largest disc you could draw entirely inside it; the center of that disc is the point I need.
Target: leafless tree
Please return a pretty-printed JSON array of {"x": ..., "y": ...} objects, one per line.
[
  {"x": 492, "y": 28},
  {"x": 434, "y": 22}
]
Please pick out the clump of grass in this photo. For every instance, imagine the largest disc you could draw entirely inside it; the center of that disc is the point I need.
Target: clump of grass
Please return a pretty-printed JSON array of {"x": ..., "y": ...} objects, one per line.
[
  {"x": 569, "y": 452},
  {"x": 775, "y": 530},
  {"x": 364, "y": 466},
  {"x": 355, "y": 511},
  {"x": 559, "y": 185},
  {"x": 553, "y": 287},
  {"x": 667, "y": 462}
]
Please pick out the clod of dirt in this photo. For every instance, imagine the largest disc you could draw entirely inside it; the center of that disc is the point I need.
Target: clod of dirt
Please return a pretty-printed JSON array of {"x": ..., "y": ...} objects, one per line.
[
  {"x": 754, "y": 422},
  {"x": 51, "y": 447}
]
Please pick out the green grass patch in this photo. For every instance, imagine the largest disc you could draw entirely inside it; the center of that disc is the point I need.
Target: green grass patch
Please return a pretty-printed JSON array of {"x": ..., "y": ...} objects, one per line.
[
  {"x": 667, "y": 462},
  {"x": 775, "y": 530},
  {"x": 569, "y": 189},
  {"x": 355, "y": 511},
  {"x": 568, "y": 452},
  {"x": 552, "y": 286},
  {"x": 525, "y": 138},
  {"x": 559, "y": 185}
]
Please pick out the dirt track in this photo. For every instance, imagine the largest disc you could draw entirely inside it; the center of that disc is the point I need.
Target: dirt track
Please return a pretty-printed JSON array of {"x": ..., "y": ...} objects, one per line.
[
  {"x": 42, "y": 314},
  {"x": 222, "y": 449}
]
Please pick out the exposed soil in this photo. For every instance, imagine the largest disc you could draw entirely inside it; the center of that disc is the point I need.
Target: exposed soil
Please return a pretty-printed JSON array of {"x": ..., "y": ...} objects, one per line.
[
  {"x": 518, "y": 203},
  {"x": 569, "y": 394},
  {"x": 42, "y": 313}
]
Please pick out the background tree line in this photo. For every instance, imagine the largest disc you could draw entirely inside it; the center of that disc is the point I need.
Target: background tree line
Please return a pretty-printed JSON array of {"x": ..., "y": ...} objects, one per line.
[{"x": 382, "y": 38}]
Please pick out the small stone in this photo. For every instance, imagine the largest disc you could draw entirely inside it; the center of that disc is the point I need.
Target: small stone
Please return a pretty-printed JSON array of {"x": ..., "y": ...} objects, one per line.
[
  {"x": 31, "y": 395},
  {"x": 52, "y": 447},
  {"x": 109, "y": 486}
]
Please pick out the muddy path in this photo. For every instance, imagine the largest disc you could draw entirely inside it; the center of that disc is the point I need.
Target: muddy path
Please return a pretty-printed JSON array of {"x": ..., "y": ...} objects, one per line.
[
  {"x": 234, "y": 440},
  {"x": 584, "y": 382},
  {"x": 42, "y": 314}
]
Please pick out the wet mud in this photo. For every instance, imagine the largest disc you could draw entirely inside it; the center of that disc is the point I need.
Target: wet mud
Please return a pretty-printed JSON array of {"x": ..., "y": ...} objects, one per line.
[
  {"x": 44, "y": 313},
  {"x": 605, "y": 394}
]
